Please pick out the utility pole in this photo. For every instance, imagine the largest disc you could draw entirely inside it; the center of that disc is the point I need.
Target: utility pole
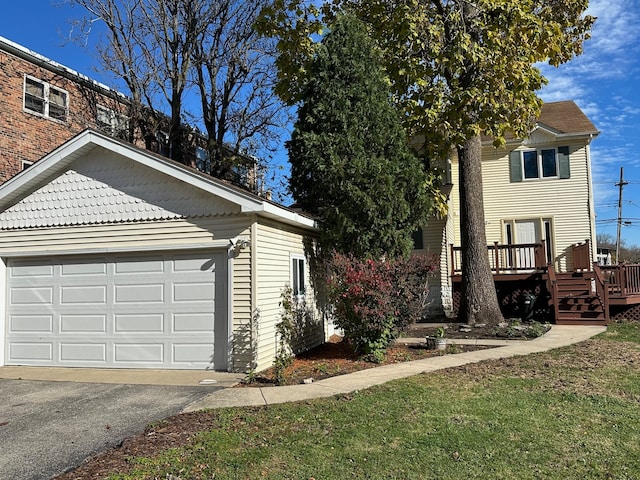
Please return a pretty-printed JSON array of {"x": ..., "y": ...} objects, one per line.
[{"x": 620, "y": 185}]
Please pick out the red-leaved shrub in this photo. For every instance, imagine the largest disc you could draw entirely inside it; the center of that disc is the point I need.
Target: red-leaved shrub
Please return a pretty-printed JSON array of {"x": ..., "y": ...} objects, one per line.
[{"x": 375, "y": 299}]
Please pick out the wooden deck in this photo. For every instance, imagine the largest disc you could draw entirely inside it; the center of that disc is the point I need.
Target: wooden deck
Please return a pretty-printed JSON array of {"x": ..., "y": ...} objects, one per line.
[{"x": 581, "y": 296}]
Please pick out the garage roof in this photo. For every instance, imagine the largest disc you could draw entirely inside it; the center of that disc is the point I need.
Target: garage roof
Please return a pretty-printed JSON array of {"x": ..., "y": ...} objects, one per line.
[{"x": 57, "y": 162}]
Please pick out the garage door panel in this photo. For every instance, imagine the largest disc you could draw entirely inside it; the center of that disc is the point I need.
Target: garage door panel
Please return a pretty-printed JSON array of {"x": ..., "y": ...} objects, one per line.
[
  {"x": 31, "y": 351},
  {"x": 137, "y": 293},
  {"x": 31, "y": 323},
  {"x": 83, "y": 323},
  {"x": 194, "y": 292},
  {"x": 145, "y": 310},
  {"x": 190, "y": 353},
  {"x": 31, "y": 295},
  {"x": 141, "y": 323},
  {"x": 186, "y": 264},
  {"x": 193, "y": 322},
  {"x": 83, "y": 352},
  {"x": 127, "y": 265},
  {"x": 139, "y": 353},
  {"x": 30, "y": 270},
  {"x": 84, "y": 294},
  {"x": 83, "y": 267}
]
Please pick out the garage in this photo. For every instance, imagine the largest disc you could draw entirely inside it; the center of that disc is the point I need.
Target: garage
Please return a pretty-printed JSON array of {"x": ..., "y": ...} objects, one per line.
[
  {"x": 114, "y": 257},
  {"x": 151, "y": 310}
]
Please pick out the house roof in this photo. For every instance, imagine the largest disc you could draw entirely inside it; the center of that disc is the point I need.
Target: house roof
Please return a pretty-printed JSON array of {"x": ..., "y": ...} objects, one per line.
[
  {"x": 562, "y": 119},
  {"x": 566, "y": 117},
  {"x": 59, "y": 161}
]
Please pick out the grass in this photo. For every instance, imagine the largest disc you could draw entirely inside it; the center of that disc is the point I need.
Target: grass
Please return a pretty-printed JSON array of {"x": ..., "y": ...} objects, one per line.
[{"x": 572, "y": 413}]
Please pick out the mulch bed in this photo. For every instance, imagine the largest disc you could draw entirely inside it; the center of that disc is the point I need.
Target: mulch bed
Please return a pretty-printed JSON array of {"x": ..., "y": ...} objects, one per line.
[{"x": 336, "y": 357}]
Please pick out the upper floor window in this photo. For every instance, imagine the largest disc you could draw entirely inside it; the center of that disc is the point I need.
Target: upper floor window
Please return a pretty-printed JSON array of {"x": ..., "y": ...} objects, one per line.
[
  {"x": 45, "y": 99},
  {"x": 203, "y": 160},
  {"x": 26, "y": 164},
  {"x": 111, "y": 122},
  {"x": 542, "y": 163}
]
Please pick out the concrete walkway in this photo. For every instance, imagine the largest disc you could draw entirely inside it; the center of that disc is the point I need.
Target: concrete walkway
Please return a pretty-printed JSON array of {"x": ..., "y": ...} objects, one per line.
[{"x": 558, "y": 336}]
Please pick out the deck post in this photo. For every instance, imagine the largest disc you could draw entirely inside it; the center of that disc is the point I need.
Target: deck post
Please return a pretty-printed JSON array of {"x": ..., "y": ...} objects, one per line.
[
  {"x": 453, "y": 259},
  {"x": 496, "y": 254}
]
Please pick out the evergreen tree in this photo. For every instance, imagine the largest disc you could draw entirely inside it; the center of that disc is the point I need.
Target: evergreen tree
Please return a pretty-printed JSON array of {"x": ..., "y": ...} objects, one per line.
[{"x": 351, "y": 164}]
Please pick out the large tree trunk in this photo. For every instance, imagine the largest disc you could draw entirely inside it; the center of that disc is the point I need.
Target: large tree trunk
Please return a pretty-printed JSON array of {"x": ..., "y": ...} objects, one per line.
[{"x": 478, "y": 301}]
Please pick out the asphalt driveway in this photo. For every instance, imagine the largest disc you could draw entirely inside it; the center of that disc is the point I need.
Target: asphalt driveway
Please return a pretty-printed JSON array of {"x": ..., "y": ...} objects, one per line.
[{"x": 48, "y": 427}]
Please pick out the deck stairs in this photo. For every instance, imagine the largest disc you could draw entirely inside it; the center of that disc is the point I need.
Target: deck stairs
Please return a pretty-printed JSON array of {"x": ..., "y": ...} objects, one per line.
[{"x": 578, "y": 302}]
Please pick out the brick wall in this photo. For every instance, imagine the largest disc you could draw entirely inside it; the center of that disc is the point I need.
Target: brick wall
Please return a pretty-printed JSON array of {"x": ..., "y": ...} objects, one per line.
[{"x": 26, "y": 136}]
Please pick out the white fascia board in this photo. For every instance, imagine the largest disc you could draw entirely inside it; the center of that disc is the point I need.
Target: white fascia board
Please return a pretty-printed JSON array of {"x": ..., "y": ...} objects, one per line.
[{"x": 288, "y": 216}]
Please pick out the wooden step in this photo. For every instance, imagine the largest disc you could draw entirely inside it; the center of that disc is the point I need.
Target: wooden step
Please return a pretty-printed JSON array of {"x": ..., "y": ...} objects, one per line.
[{"x": 581, "y": 321}]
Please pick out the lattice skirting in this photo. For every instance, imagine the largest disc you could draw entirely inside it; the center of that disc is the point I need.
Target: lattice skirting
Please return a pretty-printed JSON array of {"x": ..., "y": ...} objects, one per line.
[
  {"x": 510, "y": 298},
  {"x": 630, "y": 313}
]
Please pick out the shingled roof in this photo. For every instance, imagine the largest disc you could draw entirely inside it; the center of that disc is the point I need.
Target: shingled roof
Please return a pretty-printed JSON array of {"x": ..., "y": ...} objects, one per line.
[
  {"x": 566, "y": 117},
  {"x": 563, "y": 118}
]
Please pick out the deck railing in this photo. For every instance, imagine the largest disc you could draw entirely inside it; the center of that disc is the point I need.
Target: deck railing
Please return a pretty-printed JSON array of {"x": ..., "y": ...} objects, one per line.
[
  {"x": 622, "y": 279},
  {"x": 601, "y": 290},
  {"x": 523, "y": 257},
  {"x": 581, "y": 256}
]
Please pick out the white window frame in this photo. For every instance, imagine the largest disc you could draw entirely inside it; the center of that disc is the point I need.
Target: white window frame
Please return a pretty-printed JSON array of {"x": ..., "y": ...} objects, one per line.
[
  {"x": 26, "y": 164},
  {"x": 112, "y": 122},
  {"x": 539, "y": 164},
  {"x": 47, "y": 88},
  {"x": 298, "y": 277}
]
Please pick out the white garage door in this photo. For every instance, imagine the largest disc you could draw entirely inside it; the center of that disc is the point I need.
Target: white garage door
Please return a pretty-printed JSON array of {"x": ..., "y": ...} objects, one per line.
[{"x": 140, "y": 311}]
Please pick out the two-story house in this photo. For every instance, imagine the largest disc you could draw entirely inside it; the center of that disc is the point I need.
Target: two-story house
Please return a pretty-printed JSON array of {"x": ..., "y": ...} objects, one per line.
[{"x": 538, "y": 204}]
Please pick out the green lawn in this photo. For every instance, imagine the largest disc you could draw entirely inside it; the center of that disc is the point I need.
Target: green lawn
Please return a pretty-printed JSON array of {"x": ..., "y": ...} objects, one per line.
[{"x": 572, "y": 413}]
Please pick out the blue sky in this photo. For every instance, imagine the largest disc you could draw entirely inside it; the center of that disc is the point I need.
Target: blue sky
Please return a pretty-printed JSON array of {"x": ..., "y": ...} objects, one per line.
[{"x": 604, "y": 82}]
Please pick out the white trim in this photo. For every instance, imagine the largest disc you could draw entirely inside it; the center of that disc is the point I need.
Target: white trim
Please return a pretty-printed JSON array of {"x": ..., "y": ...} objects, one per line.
[
  {"x": 292, "y": 258},
  {"x": 3, "y": 308},
  {"x": 215, "y": 244},
  {"x": 230, "y": 309}
]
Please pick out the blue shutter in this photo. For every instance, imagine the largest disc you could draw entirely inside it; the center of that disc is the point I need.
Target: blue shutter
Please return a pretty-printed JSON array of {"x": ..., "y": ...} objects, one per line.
[
  {"x": 563, "y": 162},
  {"x": 515, "y": 166}
]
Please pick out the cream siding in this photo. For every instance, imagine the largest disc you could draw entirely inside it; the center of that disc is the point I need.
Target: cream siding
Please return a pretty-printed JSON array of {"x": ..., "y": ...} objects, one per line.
[
  {"x": 126, "y": 236},
  {"x": 565, "y": 201},
  {"x": 244, "y": 337},
  {"x": 435, "y": 242},
  {"x": 274, "y": 252}
]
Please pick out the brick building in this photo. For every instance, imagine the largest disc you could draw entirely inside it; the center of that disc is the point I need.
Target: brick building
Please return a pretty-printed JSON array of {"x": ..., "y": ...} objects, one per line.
[{"x": 45, "y": 104}]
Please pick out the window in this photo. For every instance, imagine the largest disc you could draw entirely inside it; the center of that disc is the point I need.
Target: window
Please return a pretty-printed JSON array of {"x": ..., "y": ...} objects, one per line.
[
  {"x": 45, "y": 99},
  {"x": 536, "y": 164},
  {"x": 298, "y": 276},
  {"x": 417, "y": 238},
  {"x": 26, "y": 164},
  {"x": 112, "y": 122},
  {"x": 203, "y": 160}
]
